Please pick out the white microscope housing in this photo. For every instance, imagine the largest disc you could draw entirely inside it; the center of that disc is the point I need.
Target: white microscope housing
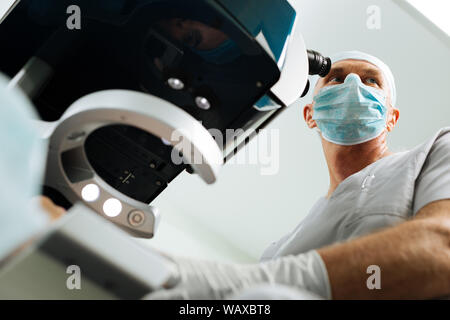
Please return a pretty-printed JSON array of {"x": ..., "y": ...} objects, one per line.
[
  {"x": 126, "y": 88},
  {"x": 131, "y": 93}
]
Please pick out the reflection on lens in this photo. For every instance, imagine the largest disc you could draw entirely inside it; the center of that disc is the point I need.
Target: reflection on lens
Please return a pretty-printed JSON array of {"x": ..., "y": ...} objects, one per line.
[
  {"x": 166, "y": 142},
  {"x": 176, "y": 84},
  {"x": 202, "y": 103}
]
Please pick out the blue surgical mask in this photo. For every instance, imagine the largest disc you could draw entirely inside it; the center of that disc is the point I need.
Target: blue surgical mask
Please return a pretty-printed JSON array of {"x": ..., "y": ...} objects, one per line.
[{"x": 350, "y": 113}]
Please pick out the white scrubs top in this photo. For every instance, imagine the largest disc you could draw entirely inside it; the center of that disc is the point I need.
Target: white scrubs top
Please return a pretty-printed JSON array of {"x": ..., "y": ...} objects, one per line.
[{"x": 383, "y": 194}]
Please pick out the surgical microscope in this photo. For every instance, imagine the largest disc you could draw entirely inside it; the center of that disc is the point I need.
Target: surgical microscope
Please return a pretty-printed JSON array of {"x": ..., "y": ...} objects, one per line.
[{"x": 132, "y": 93}]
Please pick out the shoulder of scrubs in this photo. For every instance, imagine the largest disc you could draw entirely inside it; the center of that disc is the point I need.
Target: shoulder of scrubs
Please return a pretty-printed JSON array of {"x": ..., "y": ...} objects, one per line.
[
  {"x": 22, "y": 158},
  {"x": 433, "y": 182}
]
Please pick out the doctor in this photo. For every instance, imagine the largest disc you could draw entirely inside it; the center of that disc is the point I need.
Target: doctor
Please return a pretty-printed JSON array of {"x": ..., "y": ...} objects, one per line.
[{"x": 384, "y": 211}]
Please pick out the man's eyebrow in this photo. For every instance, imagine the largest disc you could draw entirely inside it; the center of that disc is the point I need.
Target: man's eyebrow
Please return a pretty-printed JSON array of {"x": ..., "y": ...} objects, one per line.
[
  {"x": 368, "y": 71},
  {"x": 372, "y": 72},
  {"x": 337, "y": 70}
]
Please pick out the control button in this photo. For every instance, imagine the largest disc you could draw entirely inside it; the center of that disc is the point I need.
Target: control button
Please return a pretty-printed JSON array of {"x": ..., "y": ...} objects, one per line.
[{"x": 136, "y": 218}]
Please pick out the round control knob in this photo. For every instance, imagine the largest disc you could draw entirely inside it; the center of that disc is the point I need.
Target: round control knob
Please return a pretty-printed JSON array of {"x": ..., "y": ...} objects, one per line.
[{"x": 136, "y": 218}]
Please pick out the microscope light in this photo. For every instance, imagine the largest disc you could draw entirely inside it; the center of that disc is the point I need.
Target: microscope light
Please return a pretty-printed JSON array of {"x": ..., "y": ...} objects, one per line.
[
  {"x": 90, "y": 192},
  {"x": 112, "y": 207}
]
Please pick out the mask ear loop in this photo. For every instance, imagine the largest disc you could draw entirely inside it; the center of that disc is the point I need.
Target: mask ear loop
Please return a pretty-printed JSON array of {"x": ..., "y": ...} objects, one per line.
[
  {"x": 386, "y": 120},
  {"x": 319, "y": 133}
]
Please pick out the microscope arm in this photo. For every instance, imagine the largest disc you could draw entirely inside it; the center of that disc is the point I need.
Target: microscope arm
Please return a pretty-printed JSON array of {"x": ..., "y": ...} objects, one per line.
[{"x": 111, "y": 264}]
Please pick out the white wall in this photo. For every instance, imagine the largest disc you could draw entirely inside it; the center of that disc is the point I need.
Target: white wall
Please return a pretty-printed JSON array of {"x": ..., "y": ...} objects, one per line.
[{"x": 236, "y": 218}]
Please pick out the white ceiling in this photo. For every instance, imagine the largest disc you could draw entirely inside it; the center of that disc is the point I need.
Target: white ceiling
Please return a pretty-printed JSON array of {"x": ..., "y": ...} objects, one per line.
[
  {"x": 236, "y": 218},
  {"x": 437, "y": 11}
]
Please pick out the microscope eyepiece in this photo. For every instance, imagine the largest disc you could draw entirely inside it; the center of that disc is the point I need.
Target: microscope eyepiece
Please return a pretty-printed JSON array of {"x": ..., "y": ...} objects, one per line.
[{"x": 318, "y": 64}]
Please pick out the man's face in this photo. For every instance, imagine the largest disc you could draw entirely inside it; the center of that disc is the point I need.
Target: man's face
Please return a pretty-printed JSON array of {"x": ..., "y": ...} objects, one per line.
[{"x": 370, "y": 75}]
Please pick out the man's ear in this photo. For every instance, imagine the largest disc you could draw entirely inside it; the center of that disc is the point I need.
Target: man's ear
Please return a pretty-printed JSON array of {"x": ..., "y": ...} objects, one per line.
[
  {"x": 393, "y": 116},
  {"x": 308, "y": 116}
]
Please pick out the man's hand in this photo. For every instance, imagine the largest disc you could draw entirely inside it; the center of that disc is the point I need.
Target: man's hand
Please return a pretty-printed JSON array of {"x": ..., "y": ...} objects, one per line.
[
  {"x": 214, "y": 280},
  {"x": 414, "y": 259},
  {"x": 54, "y": 212}
]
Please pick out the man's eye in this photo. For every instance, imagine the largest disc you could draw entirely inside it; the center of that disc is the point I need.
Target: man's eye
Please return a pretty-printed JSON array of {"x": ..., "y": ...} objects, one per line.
[
  {"x": 372, "y": 81},
  {"x": 335, "y": 79}
]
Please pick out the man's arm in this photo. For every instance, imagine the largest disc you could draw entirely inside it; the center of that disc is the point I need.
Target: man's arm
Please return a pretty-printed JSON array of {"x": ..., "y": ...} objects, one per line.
[{"x": 414, "y": 259}]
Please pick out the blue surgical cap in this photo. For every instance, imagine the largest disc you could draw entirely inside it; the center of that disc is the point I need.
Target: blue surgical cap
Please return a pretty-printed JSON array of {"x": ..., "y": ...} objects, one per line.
[
  {"x": 357, "y": 55},
  {"x": 22, "y": 157}
]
